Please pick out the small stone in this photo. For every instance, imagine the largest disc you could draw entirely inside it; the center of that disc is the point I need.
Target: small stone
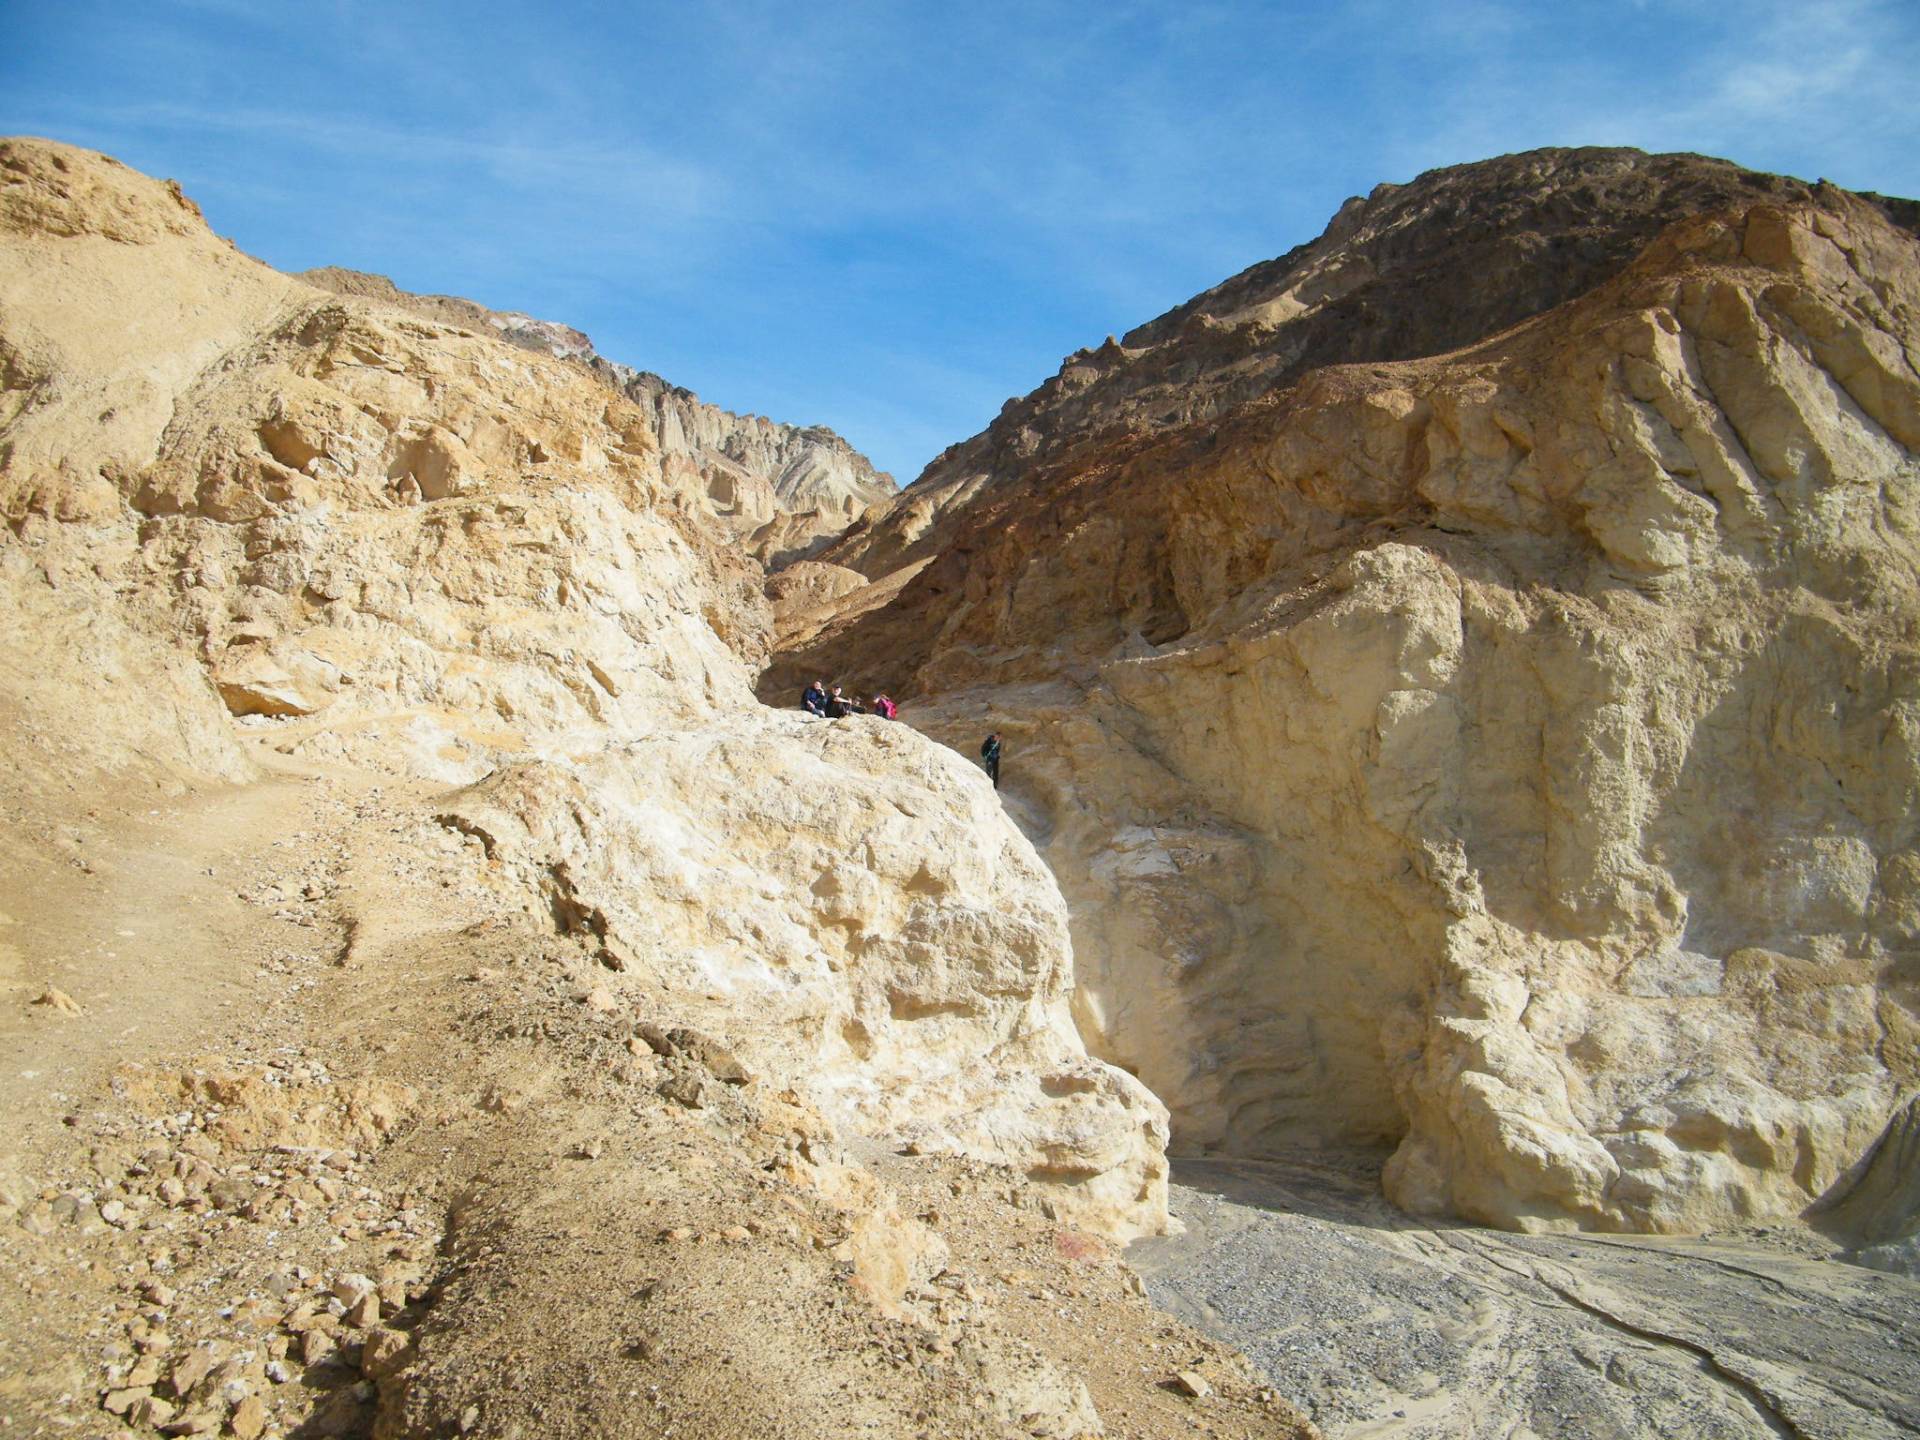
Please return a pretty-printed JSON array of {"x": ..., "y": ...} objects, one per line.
[
  {"x": 230, "y": 1193},
  {"x": 385, "y": 1352},
  {"x": 347, "y": 1289},
  {"x": 279, "y": 1372},
  {"x": 151, "y": 1410},
  {"x": 315, "y": 1347},
  {"x": 738, "y": 1234},
  {"x": 249, "y": 1418},
  {"x": 678, "y": 1232},
  {"x": 59, "y": 1001},
  {"x": 469, "y": 1418},
  {"x": 365, "y": 1311},
  {"x": 588, "y": 1150},
  {"x": 192, "y": 1368},
  {"x": 157, "y": 1291},
  {"x": 688, "y": 1088},
  {"x": 196, "y": 1422},
  {"x": 1190, "y": 1383},
  {"x": 120, "y": 1402}
]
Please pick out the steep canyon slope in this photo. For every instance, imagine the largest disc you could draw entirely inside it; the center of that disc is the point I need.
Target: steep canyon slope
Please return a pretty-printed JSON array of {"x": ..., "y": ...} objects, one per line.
[
  {"x": 548, "y": 884},
  {"x": 782, "y": 490},
  {"x": 1466, "y": 676}
]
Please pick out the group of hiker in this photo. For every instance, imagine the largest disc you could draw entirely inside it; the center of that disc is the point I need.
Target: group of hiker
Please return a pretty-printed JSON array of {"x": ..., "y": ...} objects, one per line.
[{"x": 834, "y": 704}]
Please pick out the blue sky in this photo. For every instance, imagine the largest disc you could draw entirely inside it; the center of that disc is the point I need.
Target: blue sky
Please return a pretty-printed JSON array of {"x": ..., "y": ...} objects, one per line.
[{"x": 889, "y": 217}]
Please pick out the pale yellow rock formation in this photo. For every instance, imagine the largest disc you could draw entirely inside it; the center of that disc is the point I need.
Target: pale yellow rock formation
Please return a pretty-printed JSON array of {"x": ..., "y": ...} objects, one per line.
[
  {"x": 1509, "y": 757},
  {"x": 782, "y": 491},
  {"x": 422, "y": 550},
  {"x": 857, "y": 891}
]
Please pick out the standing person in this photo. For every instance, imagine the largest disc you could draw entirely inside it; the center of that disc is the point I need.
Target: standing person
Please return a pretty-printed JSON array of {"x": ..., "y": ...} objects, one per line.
[{"x": 990, "y": 757}]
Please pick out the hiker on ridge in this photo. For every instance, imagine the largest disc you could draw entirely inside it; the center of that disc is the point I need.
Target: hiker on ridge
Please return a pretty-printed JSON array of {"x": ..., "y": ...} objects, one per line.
[{"x": 990, "y": 757}]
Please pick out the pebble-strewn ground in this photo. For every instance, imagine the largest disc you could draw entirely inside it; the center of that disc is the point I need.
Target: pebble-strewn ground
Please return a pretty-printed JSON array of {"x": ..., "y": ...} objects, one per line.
[{"x": 322, "y": 1133}]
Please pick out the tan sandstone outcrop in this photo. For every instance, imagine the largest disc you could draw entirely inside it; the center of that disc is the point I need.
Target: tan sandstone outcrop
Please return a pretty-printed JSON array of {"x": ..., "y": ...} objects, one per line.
[
  {"x": 413, "y": 547},
  {"x": 783, "y": 491},
  {"x": 857, "y": 891},
  {"x": 1509, "y": 757}
]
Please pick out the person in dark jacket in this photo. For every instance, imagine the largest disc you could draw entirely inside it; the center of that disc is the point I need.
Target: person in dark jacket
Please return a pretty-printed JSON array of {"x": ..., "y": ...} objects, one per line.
[
  {"x": 990, "y": 757},
  {"x": 838, "y": 707},
  {"x": 813, "y": 699}
]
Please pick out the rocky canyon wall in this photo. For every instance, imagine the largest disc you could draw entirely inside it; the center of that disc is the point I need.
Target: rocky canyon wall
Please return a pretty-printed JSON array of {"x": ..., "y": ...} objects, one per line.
[
  {"x": 782, "y": 491},
  {"x": 240, "y": 506},
  {"x": 785, "y": 491},
  {"x": 1507, "y": 756}
]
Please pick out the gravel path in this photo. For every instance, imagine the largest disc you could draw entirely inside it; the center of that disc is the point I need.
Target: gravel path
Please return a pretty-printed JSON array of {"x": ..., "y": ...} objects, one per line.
[{"x": 1380, "y": 1324}]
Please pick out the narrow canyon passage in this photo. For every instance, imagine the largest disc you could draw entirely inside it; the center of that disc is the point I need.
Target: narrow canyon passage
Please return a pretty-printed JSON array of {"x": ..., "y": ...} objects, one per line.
[{"x": 1378, "y": 1323}]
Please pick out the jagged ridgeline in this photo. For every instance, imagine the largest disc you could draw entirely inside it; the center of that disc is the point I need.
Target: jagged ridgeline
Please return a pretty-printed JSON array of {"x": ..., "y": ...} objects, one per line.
[{"x": 783, "y": 491}]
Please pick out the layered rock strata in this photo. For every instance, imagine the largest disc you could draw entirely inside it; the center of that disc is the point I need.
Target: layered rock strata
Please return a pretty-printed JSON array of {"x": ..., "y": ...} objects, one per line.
[
  {"x": 1402, "y": 272},
  {"x": 1507, "y": 757},
  {"x": 785, "y": 491}
]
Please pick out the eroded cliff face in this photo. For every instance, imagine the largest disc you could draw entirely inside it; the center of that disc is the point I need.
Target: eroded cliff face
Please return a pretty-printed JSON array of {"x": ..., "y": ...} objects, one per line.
[
  {"x": 781, "y": 491},
  {"x": 239, "y": 506},
  {"x": 1509, "y": 757},
  {"x": 784, "y": 491},
  {"x": 1403, "y": 272}
]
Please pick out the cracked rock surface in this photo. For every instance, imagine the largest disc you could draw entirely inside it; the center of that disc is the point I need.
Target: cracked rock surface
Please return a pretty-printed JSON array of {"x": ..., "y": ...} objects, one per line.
[{"x": 1378, "y": 1323}]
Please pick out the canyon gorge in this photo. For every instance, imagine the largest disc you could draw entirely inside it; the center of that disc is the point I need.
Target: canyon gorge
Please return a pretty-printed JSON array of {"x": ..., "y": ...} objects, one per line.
[{"x": 1461, "y": 691}]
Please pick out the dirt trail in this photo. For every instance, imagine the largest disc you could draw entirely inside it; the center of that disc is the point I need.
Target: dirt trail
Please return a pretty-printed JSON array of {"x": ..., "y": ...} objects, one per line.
[
  {"x": 165, "y": 922},
  {"x": 1381, "y": 1324},
  {"x": 345, "y": 1135}
]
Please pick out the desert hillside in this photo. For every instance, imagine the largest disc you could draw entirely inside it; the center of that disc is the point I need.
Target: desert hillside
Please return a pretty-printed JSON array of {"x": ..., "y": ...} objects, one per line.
[
  {"x": 450, "y": 1002},
  {"x": 783, "y": 490},
  {"x": 1460, "y": 685},
  {"x": 1499, "y": 746}
]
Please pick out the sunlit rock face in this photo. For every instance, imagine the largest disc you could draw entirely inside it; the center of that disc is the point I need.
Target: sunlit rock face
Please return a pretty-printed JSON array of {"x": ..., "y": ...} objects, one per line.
[
  {"x": 784, "y": 491},
  {"x": 1503, "y": 750},
  {"x": 779, "y": 491},
  {"x": 236, "y": 501},
  {"x": 848, "y": 900}
]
